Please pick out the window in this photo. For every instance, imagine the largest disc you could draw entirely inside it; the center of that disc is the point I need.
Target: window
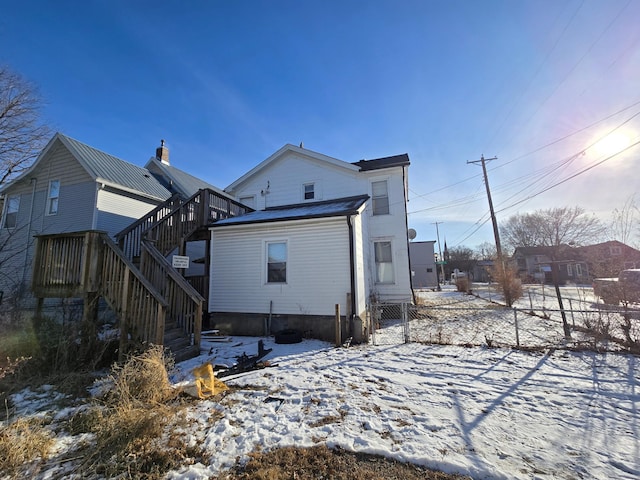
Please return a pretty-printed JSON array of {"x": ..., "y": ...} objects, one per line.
[
  {"x": 578, "y": 270},
  {"x": 569, "y": 270},
  {"x": 380, "y": 198},
  {"x": 384, "y": 264},
  {"x": 52, "y": 197},
  {"x": 309, "y": 193},
  {"x": 276, "y": 262},
  {"x": 11, "y": 212},
  {"x": 615, "y": 251}
]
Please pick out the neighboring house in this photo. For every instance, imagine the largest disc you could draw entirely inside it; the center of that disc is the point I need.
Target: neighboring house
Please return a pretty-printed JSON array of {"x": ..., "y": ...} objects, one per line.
[
  {"x": 423, "y": 264},
  {"x": 74, "y": 187},
  {"x": 325, "y": 232},
  {"x": 609, "y": 258},
  {"x": 577, "y": 265}
]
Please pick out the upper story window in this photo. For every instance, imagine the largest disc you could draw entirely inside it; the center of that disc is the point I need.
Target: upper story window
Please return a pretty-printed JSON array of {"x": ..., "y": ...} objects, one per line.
[
  {"x": 309, "y": 191},
  {"x": 276, "y": 262},
  {"x": 380, "y": 197},
  {"x": 615, "y": 251},
  {"x": 11, "y": 211},
  {"x": 52, "y": 197}
]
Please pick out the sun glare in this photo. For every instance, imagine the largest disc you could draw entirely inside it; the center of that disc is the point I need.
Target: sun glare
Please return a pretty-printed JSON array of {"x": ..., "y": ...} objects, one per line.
[{"x": 612, "y": 144}]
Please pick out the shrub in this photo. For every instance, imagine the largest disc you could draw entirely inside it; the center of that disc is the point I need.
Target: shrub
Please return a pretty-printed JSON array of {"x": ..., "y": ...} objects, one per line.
[{"x": 508, "y": 280}]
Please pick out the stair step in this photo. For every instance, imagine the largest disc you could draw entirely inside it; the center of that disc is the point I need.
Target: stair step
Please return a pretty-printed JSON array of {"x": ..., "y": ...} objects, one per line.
[{"x": 185, "y": 353}]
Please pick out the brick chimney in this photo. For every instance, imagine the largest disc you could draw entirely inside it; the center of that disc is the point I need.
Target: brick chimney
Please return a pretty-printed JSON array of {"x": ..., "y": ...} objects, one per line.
[{"x": 162, "y": 153}]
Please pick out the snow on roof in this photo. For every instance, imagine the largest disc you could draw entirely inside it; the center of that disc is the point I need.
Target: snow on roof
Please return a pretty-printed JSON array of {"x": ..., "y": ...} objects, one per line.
[{"x": 327, "y": 208}]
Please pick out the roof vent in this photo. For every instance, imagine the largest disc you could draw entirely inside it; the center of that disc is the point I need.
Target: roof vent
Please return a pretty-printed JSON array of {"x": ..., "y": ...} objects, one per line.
[{"x": 162, "y": 153}]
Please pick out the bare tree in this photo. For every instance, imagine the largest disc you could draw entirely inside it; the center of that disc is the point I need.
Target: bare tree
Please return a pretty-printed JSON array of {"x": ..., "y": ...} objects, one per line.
[
  {"x": 552, "y": 228},
  {"x": 22, "y": 134},
  {"x": 624, "y": 224}
]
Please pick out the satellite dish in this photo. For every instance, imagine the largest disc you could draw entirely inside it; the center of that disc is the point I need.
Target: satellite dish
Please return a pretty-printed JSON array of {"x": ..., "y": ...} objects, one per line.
[{"x": 412, "y": 234}]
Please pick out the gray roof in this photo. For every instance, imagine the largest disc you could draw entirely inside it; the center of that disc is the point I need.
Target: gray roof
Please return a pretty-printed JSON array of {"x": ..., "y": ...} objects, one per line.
[
  {"x": 187, "y": 184},
  {"x": 328, "y": 208},
  {"x": 114, "y": 171},
  {"x": 386, "y": 162}
]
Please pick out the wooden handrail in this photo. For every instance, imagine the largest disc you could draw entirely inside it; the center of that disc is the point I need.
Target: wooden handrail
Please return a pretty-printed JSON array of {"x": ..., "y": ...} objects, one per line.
[
  {"x": 185, "y": 304},
  {"x": 129, "y": 239}
]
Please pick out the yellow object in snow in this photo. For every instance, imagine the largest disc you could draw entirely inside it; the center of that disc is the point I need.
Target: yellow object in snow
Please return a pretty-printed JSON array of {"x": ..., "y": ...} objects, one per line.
[{"x": 206, "y": 382}]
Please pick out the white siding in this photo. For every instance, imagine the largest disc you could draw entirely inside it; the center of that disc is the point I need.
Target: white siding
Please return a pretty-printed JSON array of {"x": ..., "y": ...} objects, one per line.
[
  {"x": 318, "y": 273},
  {"x": 286, "y": 176},
  {"x": 281, "y": 183},
  {"x": 115, "y": 211}
]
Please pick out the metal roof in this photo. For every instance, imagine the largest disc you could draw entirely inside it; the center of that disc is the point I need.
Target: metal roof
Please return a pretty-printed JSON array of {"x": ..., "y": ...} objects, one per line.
[
  {"x": 186, "y": 183},
  {"x": 328, "y": 208},
  {"x": 114, "y": 171},
  {"x": 385, "y": 162}
]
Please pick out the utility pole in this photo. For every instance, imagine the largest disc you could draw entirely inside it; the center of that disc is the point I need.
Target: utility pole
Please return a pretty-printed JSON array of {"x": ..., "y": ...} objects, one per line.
[
  {"x": 496, "y": 234},
  {"x": 439, "y": 254}
]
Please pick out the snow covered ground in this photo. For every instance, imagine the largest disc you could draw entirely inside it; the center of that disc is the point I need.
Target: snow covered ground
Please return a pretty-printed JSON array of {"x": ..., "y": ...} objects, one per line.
[{"x": 491, "y": 413}]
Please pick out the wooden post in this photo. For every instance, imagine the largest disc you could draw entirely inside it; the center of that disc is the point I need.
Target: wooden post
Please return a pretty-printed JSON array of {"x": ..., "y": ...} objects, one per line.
[
  {"x": 515, "y": 318},
  {"x": 124, "y": 327},
  {"x": 338, "y": 326}
]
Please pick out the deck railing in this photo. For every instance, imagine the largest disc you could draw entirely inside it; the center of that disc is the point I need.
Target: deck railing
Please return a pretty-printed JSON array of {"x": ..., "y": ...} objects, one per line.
[
  {"x": 203, "y": 208},
  {"x": 130, "y": 238},
  {"x": 184, "y": 303},
  {"x": 72, "y": 264}
]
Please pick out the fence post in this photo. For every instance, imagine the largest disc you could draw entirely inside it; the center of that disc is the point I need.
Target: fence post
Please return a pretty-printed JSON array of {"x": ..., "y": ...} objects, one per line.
[
  {"x": 405, "y": 322},
  {"x": 338, "y": 327},
  {"x": 573, "y": 319},
  {"x": 515, "y": 318}
]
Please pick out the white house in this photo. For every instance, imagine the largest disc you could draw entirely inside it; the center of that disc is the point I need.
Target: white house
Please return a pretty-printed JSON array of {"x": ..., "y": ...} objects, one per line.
[{"x": 325, "y": 232}]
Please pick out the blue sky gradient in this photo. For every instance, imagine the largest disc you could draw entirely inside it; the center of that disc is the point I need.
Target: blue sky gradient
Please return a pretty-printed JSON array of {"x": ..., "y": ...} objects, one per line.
[{"x": 228, "y": 83}]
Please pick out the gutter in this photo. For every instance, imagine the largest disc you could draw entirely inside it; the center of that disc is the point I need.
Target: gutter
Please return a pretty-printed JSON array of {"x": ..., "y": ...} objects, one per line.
[{"x": 352, "y": 271}]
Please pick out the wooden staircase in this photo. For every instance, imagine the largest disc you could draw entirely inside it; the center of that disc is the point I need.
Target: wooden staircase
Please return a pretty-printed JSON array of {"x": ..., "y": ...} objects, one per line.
[{"x": 153, "y": 301}]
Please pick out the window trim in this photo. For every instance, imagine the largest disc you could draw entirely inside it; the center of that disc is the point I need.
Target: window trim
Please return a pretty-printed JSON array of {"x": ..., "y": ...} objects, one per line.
[
  {"x": 376, "y": 198},
  {"x": 50, "y": 199},
  {"x": 267, "y": 243},
  {"x": 392, "y": 281},
  {"x": 6, "y": 213}
]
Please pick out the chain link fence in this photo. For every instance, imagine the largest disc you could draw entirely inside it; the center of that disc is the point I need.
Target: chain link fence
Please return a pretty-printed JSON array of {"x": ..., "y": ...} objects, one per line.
[{"x": 532, "y": 324}]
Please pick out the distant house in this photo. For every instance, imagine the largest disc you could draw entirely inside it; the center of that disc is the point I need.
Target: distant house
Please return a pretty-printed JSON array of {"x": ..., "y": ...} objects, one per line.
[
  {"x": 423, "y": 264},
  {"x": 575, "y": 264},
  {"x": 74, "y": 187},
  {"x": 325, "y": 232},
  {"x": 607, "y": 259}
]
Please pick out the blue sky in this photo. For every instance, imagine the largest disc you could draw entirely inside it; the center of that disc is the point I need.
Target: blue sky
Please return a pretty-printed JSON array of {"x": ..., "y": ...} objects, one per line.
[{"x": 227, "y": 83}]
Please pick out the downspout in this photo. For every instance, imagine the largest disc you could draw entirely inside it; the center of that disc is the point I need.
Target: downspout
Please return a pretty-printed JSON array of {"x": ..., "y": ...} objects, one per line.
[
  {"x": 34, "y": 182},
  {"x": 405, "y": 183},
  {"x": 352, "y": 271}
]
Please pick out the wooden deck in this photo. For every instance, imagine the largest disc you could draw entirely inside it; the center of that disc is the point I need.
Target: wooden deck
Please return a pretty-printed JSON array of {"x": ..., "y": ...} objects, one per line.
[{"x": 153, "y": 301}]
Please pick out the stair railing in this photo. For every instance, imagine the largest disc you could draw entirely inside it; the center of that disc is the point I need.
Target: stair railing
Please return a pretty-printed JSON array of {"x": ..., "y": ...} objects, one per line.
[{"x": 184, "y": 303}]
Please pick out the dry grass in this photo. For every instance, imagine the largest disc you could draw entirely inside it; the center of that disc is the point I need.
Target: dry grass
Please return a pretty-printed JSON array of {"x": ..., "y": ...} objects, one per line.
[
  {"x": 322, "y": 462},
  {"x": 132, "y": 421},
  {"x": 22, "y": 443}
]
